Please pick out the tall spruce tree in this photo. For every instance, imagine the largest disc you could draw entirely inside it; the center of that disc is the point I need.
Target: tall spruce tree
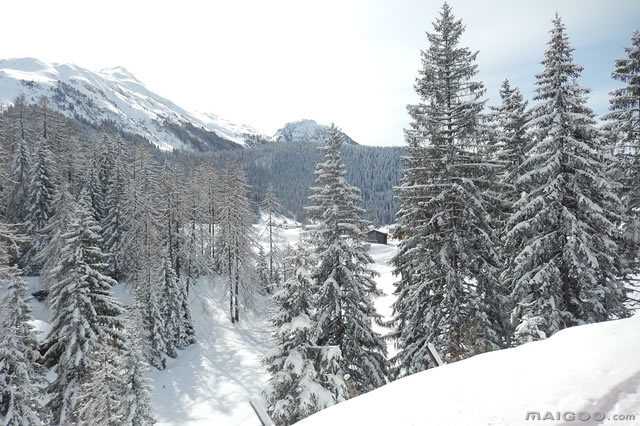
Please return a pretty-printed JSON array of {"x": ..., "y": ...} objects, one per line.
[
  {"x": 343, "y": 277},
  {"x": 114, "y": 222},
  {"x": 42, "y": 189},
  {"x": 563, "y": 233},
  {"x": 22, "y": 379},
  {"x": 100, "y": 395},
  {"x": 447, "y": 290},
  {"x": 136, "y": 389},
  {"x": 624, "y": 123},
  {"x": 305, "y": 377},
  {"x": 171, "y": 308},
  {"x": 49, "y": 257},
  {"x": 510, "y": 143},
  {"x": 83, "y": 312},
  {"x": 18, "y": 197}
]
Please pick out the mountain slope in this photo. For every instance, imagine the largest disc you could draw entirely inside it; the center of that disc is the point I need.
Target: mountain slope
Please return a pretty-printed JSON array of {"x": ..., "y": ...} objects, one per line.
[
  {"x": 115, "y": 95},
  {"x": 591, "y": 370}
]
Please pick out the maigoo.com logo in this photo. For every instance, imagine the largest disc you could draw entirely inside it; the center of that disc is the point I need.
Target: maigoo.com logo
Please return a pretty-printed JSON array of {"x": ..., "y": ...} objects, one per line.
[{"x": 577, "y": 416}]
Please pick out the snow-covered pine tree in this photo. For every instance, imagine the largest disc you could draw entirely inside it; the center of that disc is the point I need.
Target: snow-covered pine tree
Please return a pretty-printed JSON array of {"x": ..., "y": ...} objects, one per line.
[
  {"x": 624, "y": 122},
  {"x": 447, "y": 291},
  {"x": 210, "y": 182},
  {"x": 563, "y": 232},
  {"x": 271, "y": 207},
  {"x": 236, "y": 238},
  {"x": 196, "y": 250},
  {"x": 22, "y": 379},
  {"x": 18, "y": 197},
  {"x": 113, "y": 224},
  {"x": 49, "y": 257},
  {"x": 141, "y": 249},
  {"x": 262, "y": 271},
  {"x": 304, "y": 377},
  {"x": 42, "y": 188},
  {"x": 171, "y": 308},
  {"x": 155, "y": 345},
  {"x": 136, "y": 388},
  {"x": 101, "y": 168},
  {"x": 511, "y": 142},
  {"x": 100, "y": 400},
  {"x": 83, "y": 312},
  {"x": 182, "y": 220},
  {"x": 343, "y": 276}
]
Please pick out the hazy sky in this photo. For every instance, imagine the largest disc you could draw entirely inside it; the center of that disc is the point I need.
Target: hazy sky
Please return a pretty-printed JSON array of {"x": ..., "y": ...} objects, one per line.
[{"x": 265, "y": 63}]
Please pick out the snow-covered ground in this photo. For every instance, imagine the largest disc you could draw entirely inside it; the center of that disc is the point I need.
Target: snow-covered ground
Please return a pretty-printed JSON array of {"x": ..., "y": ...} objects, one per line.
[
  {"x": 584, "y": 371},
  {"x": 211, "y": 382}
]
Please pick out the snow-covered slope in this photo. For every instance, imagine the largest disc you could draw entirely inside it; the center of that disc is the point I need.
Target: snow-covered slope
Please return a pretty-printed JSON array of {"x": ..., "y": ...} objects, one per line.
[
  {"x": 115, "y": 95},
  {"x": 305, "y": 131},
  {"x": 592, "y": 370}
]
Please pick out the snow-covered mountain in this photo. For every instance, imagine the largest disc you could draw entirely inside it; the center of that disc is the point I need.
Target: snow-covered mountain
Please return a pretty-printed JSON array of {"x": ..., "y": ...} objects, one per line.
[
  {"x": 305, "y": 131},
  {"x": 116, "y": 96}
]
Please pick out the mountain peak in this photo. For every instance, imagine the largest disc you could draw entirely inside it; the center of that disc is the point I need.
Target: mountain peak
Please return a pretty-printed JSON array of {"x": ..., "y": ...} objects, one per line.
[
  {"x": 119, "y": 73},
  {"x": 305, "y": 131},
  {"x": 115, "y": 95}
]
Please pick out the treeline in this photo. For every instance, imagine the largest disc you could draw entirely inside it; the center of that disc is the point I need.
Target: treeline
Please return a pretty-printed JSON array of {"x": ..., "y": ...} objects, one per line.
[
  {"x": 286, "y": 169},
  {"x": 519, "y": 220},
  {"x": 85, "y": 209}
]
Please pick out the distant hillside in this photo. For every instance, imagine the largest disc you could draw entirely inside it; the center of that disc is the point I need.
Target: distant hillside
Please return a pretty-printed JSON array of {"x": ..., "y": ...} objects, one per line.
[{"x": 115, "y": 96}]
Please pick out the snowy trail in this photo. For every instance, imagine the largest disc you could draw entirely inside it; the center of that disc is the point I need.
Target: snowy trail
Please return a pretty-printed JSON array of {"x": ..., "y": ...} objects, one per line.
[
  {"x": 382, "y": 255},
  {"x": 212, "y": 381}
]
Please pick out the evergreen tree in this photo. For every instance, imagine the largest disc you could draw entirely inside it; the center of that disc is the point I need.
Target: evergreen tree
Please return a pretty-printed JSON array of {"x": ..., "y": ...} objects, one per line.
[
  {"x": 22, "y": 380},
  {"x": 447, "y": 291},
  {"x": 510, "y": 144},
  {"x": 114, "y": 223},
  {"x": 563, "y": 232},
  {"x": 271, "y": 207},
  {"x": 155, "y": 341},
  {"x": 41, "y": 188},
  {"x": 100, "y": 396},
  {"x": 305, "y": 378},
  {"x": 83, "y": 312},
  {"x": 624, "y": 124},
  {"x": 40, "y": 205},
  {"x": 262, "y": 271},
  {"x": 49, "y": 256},
  {"x": 343, "y": 277},
  {"x": 171, "y": 299},
  {"x": 136, "y": 389},
  {"x": 18, "y": 198}
]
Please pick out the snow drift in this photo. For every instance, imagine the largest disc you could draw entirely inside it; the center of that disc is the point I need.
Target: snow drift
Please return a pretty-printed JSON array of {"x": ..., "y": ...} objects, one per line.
[{"x": 587, "y": 371}]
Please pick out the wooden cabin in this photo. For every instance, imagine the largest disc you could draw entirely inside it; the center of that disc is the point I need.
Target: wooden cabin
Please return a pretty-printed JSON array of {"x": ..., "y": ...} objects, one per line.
[{"x": 376, "y": 237}]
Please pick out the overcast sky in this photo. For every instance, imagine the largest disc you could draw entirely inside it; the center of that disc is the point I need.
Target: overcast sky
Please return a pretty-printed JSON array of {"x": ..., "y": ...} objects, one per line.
[{"x": 352, "y": 62}]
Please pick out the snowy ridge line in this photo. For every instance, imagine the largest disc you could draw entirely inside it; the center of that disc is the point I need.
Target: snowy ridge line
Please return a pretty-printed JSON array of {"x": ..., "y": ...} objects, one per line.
[{"x": 111, "y": 94}]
